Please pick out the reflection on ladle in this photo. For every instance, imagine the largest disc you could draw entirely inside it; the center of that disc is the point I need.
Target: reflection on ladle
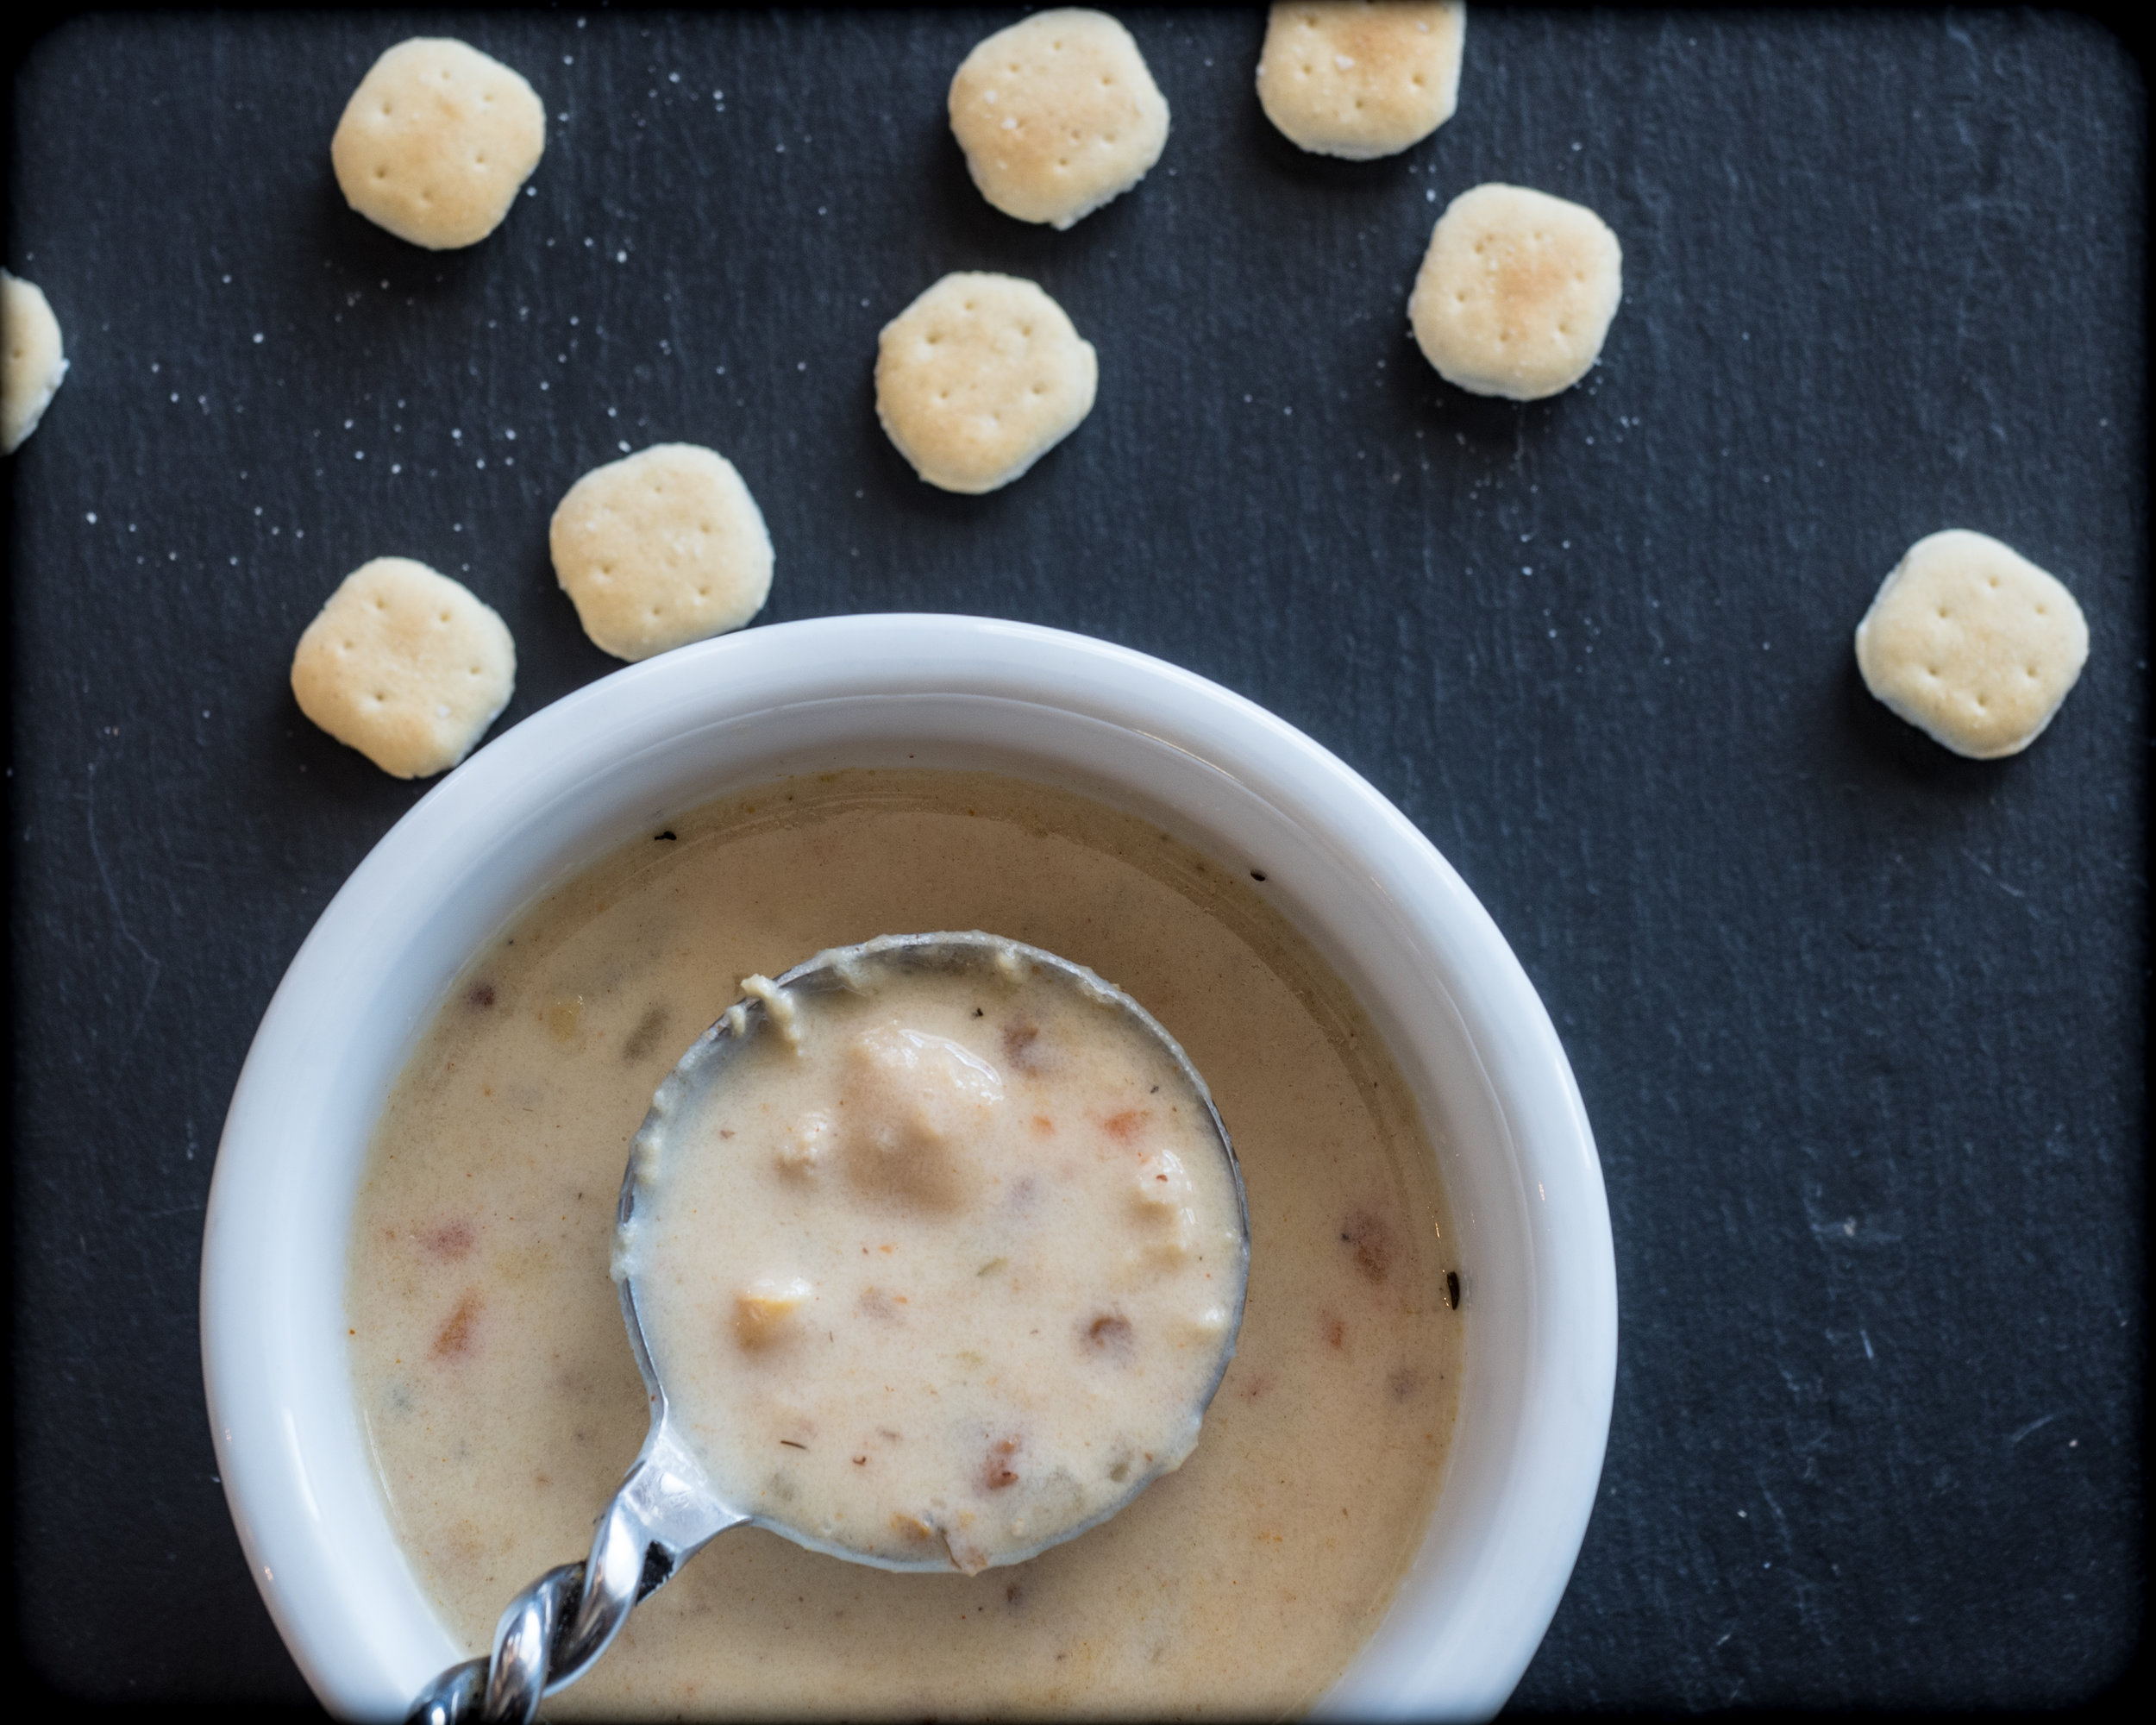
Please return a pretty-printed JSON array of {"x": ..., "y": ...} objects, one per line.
[{"x": 932, "y": 1254}]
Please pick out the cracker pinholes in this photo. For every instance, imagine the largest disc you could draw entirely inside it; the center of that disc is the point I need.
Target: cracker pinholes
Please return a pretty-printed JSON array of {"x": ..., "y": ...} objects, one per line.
[
  {"x": 436, "y": 142},
  {"x": 661, "y": 548},
  {"x": 406, "y": 665},
  {"x": 1057, "y": 115},
  {"x": 1516, "y": 292},
  {"x": 981, "y": 376},
  {"x": 1361, "y": 79},
  {"x": 35, "y": 362},
  {"x": 1972, "y": 643}
]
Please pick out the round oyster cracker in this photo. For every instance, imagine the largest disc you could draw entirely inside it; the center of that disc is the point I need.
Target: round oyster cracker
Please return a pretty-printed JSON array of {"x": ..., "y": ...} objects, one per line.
[{"x": 436, "y": 141}]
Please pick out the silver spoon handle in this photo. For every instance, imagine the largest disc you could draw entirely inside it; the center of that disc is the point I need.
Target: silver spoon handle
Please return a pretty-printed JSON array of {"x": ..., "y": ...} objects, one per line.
[{"x": 556, "y": 1628}]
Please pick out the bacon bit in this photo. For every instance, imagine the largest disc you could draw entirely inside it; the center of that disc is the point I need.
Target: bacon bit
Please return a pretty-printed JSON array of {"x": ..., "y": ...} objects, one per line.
[
  {"x": 452, "y": 1239},
  {"x": 860, "y": 1461},
  {"x": 482, "y": 996},
  {"x": 1124, "y": 1128},
  {"x": 1335, "y": 1332},
  {"x": 911, "y": 1527},
  {"x": 1017, "y": 1045},
  {"x": 1372, "y": 1239},
  {"x": 454, "y": 1340},
  {"x": 1043, "y": 1126},
  {"x": 1110, "y": 1334},
  {"x": 996, "y": 1471}
]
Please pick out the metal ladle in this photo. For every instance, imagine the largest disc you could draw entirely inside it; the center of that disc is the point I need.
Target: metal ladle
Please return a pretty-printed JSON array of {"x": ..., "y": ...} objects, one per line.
[{"x": 667, "y": 1508}]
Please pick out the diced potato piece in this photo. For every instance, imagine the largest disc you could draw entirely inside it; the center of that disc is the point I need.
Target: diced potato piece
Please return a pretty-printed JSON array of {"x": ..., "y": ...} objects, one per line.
[{"x": 763, "y": 1311}]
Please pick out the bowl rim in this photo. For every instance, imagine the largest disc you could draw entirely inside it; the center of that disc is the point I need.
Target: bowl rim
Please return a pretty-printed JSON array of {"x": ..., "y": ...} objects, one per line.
[{"x": 1571, "y": 1334}]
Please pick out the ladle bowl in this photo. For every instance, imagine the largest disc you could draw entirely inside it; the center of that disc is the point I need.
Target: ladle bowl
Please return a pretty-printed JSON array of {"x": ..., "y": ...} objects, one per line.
[{"x": 668, "y": 1506}]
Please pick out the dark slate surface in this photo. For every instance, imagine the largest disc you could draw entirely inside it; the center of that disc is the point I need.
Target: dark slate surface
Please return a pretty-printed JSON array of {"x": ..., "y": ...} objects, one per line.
[{"x": 1860, "y": 1026}]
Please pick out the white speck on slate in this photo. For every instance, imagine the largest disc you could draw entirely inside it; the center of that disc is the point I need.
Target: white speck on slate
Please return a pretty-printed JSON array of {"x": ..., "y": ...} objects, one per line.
[
  {"x": 623, "y": 446},
  {"x": 91, "y": 517},
  {"x": 620, "y": 257},
  {"x": 258, "y": 338}
]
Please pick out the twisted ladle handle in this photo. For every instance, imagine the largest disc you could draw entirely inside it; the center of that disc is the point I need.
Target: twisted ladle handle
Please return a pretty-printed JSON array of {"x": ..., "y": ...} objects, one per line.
[{"x": 554, "y": 1630}]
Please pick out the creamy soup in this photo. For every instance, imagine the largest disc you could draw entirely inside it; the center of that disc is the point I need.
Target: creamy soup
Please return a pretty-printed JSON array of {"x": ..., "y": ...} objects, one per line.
[
  {"x": 503, "y": 1404},
  {"x": 938, "y": 1254}
]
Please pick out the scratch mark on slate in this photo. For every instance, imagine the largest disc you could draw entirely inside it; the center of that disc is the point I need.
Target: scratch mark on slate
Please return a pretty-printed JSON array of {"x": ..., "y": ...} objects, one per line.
[{"x": 112, "y": 897}]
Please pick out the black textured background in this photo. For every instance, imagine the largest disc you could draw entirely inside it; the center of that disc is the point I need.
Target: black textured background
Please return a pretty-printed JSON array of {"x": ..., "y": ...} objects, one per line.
[{"x": 1860, "y": 1026}]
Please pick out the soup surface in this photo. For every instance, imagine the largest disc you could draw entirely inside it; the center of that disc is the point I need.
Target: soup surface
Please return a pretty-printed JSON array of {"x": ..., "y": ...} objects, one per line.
[
  {"x": 503, "y": 1404},
  {"x": 938, "y": 1256}
]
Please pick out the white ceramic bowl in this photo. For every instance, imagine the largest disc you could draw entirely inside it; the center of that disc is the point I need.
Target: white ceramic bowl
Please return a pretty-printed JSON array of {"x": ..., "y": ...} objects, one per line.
[{"x": 547, "y": 798}]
